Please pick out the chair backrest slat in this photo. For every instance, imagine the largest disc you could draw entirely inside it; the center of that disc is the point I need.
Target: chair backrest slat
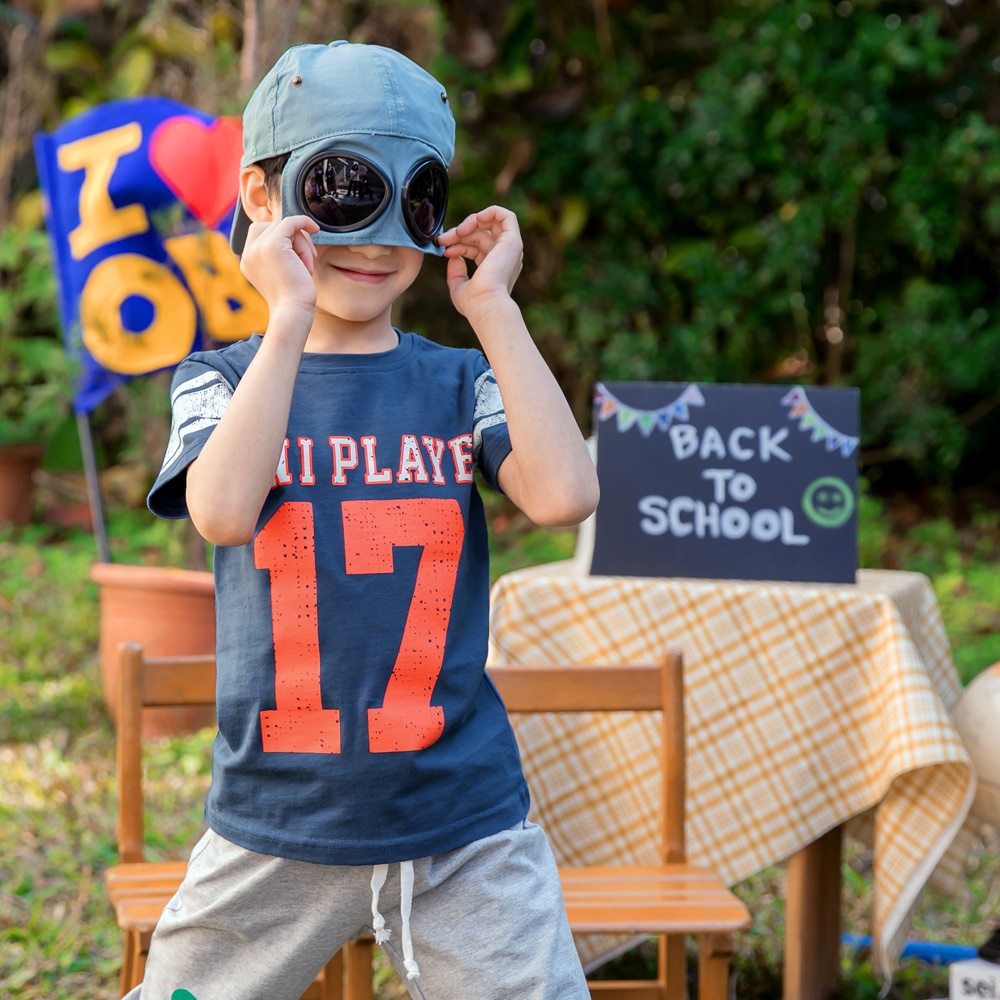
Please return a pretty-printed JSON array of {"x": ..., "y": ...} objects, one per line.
[
  {"x": 174, "y": 681},
  {"x": 624, "y": 687},
  {"x": 166, "y": 681},
  {"x": 578, "y": 688}
]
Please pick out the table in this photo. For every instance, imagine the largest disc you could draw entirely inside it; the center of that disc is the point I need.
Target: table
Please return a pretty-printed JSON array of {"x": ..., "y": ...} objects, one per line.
[{"x": 808, "y": 705}]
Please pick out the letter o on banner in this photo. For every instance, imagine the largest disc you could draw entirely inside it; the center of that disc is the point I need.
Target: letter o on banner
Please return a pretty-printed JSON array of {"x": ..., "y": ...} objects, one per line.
[{"x": 168, "y": 338}]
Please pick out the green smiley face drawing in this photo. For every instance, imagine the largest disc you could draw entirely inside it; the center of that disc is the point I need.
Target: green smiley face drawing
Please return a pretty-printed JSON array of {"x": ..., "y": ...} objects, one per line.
[{"x": 828, "y": 502}]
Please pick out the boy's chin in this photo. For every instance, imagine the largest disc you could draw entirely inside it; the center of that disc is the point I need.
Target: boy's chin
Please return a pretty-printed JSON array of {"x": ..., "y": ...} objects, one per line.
[{"x": 352, "y": 312}]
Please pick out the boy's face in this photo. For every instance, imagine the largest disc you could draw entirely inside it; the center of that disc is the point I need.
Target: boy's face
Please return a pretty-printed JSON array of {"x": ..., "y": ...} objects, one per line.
[{"x": 359, "y": 283}]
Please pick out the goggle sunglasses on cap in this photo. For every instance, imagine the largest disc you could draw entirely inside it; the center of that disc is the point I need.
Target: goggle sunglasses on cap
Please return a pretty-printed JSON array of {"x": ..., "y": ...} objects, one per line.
[{"x": 344, "y": 192}]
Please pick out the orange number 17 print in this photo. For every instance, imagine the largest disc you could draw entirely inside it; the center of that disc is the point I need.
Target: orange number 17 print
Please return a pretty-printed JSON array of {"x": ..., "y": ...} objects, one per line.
[{"x": 286, "y": 547}]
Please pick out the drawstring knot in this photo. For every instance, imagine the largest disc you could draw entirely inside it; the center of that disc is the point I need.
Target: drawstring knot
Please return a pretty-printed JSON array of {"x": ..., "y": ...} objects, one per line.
[
  {"x": 405, "y": 902},
  {"x": 379, "y": 874},
  {"x": 382, "y": 933}
]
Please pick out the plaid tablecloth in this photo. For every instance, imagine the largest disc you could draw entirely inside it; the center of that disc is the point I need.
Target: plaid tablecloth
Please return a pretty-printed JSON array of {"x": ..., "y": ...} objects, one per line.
[{"x": 807, "y": 705}]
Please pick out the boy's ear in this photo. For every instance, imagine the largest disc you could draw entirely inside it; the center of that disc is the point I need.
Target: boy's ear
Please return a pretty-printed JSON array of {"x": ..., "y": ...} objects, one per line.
[{"x": 255, "y": 197}]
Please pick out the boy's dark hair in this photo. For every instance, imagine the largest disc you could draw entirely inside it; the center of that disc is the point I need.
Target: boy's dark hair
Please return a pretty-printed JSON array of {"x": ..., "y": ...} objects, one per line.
[{"x": 272, "y": 167}]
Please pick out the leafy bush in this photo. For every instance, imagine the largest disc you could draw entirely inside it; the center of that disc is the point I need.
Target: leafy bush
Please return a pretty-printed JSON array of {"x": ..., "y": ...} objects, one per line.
[
  {"x": 733, "y": 191},
  {"x": 748, "y": 191},
  {"x": 34, "y": 387},
  {"x": 35, "y": 384}
]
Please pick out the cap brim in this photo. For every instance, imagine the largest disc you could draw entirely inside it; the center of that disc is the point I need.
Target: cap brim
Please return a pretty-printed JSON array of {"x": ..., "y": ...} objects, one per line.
[{"x": 241, "y": 224}]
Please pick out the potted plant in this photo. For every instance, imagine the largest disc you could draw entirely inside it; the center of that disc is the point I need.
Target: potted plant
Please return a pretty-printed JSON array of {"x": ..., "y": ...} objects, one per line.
[
  {"x": 171, "y": 611},
  {"x": 153, "y": 584}
]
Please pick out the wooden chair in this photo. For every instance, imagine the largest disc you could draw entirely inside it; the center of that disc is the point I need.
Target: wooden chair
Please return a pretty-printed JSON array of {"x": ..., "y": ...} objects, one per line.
[
  {"x": 139, "y": 889},
  {"x": 669, "y": 900}
]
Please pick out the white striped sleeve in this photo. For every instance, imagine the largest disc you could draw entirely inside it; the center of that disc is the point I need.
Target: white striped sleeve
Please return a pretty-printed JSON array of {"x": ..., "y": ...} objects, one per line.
[
  {"x": 197, "y": 404},
  {"x": 489, "y": 410}
]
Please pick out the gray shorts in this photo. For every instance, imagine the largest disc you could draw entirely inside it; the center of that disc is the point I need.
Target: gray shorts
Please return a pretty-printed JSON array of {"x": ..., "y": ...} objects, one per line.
[{"x": 487, "y": 922}]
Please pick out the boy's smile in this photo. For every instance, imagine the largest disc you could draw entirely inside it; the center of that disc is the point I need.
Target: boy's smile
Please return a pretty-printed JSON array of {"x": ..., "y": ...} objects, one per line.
[
  {"x": 364, "y": 276},
  {"x": 359, "y": 284}
]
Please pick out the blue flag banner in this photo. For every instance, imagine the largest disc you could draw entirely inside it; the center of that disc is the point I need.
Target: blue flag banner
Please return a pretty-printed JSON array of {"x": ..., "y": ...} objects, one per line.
[{"x": 139, "y": 200}]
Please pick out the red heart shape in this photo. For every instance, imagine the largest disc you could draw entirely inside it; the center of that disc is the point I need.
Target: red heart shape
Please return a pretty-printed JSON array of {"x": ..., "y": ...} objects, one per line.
[{"x": 200, "y": 163}]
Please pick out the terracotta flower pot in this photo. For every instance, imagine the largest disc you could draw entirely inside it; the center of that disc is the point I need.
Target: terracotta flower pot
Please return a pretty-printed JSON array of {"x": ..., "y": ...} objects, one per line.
[
  {"x": 17, "y": 466},
  {"x": 171, "y": 612}
]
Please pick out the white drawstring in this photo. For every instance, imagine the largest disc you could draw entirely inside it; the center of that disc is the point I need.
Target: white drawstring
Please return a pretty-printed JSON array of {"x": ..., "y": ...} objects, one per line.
[
  {"x": 379, "y": 873},
  {"x": 382, "y": 932},
  {"x": 405, "y": 902}
]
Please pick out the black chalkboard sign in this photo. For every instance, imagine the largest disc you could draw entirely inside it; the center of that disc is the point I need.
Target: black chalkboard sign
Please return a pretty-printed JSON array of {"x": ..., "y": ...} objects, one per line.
[{"x": 744, "y": 482}]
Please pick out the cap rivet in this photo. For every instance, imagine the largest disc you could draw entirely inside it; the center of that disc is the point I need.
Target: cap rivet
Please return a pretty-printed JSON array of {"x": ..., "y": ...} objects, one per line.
[
  {"x": 444, "y": 97},
  {"x": 296, "y": 81}
]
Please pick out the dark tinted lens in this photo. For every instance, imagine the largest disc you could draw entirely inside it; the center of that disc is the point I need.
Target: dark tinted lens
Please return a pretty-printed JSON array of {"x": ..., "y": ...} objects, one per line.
[
  {"x": 425, "y": 200},
  {"x": 342, "y": 192}
]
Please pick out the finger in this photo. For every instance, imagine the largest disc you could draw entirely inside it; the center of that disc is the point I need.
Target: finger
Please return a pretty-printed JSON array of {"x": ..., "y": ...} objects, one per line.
[
  {"x": 497, "y": 218},
  {"x": 463, "y": 251},
  {"x": 254, "y": 232},
  {"x": 302, "y": 244},
  {"x": 457, "y": 275},
  {"x": 471, "y": 224},
  {"x": 485, "y": 238},
  {"x": 481, "y": 237},
  {"x": 293, "y": 223},
  {"x": 313, "y": 247},
  {"x": 471, "y": 248},
  {"x": 500, "y": 214}
]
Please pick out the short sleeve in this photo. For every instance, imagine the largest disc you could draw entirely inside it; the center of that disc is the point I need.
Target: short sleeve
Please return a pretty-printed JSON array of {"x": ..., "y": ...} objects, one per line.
[
  {"x": 490, "y": 439},
  {"x": 199, "y": 395}
]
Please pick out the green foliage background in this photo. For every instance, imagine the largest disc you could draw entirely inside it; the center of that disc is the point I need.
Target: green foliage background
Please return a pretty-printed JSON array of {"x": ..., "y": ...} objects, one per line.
[
  {"x": 750, "y": 191},
  {"x": 735, "y": 190},
  {"x": 729, "y": 191}
]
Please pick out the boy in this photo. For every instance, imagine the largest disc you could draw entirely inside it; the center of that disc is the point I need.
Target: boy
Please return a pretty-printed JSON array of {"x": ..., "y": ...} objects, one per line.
[{"x": 364, "y": 774}]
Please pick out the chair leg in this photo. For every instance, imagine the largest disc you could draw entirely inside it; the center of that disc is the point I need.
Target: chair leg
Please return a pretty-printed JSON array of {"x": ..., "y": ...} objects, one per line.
[
  {"x": 715, "y": 952},
  {"x": 333, "y": 977},
  {"x": 142, "y": 942},
  {"x": 673, "y": 967},
  {"x": 359, "y": 969},
  {"x": 127, "y": 975},
  {"x": 134, "y": 950}
]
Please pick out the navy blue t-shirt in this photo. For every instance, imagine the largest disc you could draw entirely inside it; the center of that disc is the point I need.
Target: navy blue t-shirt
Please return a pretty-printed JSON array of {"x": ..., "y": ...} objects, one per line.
[{"x": 356, "y": 722}]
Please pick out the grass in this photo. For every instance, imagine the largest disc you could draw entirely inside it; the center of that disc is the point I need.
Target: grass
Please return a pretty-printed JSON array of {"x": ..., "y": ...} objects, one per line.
[{"x": 57, "y": 935}]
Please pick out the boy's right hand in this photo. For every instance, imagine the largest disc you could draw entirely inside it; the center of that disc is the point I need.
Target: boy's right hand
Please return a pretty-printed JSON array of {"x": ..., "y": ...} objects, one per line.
[{"x": 278, "y": 260}]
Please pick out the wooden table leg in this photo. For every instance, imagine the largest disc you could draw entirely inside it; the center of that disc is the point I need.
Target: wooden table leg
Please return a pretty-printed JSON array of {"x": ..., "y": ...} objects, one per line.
[{"x": 812, "y": 919}]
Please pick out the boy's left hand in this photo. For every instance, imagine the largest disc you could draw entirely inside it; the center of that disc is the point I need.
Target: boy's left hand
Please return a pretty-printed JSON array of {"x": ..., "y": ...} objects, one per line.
[{"x": 491, "y": 239}]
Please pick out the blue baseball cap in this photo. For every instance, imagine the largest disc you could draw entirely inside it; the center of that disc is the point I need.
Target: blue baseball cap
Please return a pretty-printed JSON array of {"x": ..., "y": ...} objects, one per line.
[{"x": 363, "y": 99}]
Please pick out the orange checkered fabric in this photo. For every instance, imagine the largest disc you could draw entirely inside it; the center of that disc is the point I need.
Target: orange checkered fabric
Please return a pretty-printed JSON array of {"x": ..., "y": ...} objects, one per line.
[{"x": 807, "y": 705}]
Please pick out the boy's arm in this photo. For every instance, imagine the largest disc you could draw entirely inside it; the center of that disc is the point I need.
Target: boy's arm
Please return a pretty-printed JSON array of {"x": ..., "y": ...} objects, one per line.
[
  {"x": 229, "y": 481},
  {"x": 549, "y": 473}
]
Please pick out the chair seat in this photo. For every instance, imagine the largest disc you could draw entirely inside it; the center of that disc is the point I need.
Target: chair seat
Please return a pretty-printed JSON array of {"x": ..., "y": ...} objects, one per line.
[
  {"x": 140, "y": 890},
  {"x": 663, "y": 899},
  {"x": 135, "y": 870}
]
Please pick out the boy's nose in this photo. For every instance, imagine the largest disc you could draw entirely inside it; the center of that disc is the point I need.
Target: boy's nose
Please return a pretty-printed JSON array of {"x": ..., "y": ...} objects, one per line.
[{"x": 370, "y": 250}]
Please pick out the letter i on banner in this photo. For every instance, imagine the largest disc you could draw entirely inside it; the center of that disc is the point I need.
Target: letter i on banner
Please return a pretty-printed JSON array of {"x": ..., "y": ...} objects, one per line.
[{"x": 139, "y": 197}]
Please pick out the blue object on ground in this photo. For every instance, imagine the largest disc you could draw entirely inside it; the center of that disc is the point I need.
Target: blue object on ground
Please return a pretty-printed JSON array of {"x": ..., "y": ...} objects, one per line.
[{"x": 925, "y": 951}]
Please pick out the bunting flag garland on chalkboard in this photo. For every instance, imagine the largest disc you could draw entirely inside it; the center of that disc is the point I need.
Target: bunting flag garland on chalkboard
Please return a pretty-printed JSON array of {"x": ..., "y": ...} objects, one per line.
[
  {"x": 647, "y": 420},
  {"x": 809, "y": 420}
]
